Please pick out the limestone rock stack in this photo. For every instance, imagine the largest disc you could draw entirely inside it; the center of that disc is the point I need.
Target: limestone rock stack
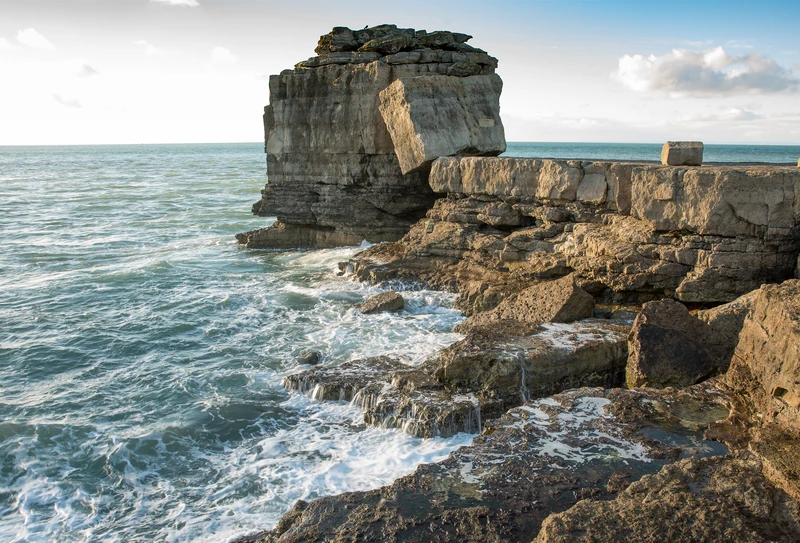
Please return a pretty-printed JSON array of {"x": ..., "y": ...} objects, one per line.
[{"x": 332, "y": 163}]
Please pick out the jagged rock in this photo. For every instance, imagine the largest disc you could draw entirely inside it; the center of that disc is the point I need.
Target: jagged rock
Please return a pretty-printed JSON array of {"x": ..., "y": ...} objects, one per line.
[
  {"x": 343, "y": 382},
  {"x": 682, "y": 153},
  {"x": 385, "y": 301},
  {"x": 536, "y": 460},
  {"x": 334, "y": 177},
  {"x": 311, "y": 358},
  {"x": 670, "y": 347},
  {"x": 338, "y": 39},
  {"x": 697, "y": 499},
  {"x": 766, "y": 362},
  {"x": 559, "y": 300},
  {"x": 433, "y": 116}
]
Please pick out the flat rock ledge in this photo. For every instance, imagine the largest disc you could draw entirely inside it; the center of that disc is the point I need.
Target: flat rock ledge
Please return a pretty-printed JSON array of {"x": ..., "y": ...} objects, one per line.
[{"x": 477, "y": 378}]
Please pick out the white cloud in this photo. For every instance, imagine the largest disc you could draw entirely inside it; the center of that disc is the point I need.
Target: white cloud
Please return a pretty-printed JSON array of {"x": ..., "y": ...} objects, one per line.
[
  {"x": 30, "y": 38},
  {"x": 734, "y": 114},
  {"x": 188, "y": 3},
  {"x": 72, "y": 103},
  {"x": 149, "y": 48},
  {"x": 705, "y": 73},
  {"x": 4, "y": 44},
  {"x": 87, "y": 71},
  {"x": 220, "y": 55}
]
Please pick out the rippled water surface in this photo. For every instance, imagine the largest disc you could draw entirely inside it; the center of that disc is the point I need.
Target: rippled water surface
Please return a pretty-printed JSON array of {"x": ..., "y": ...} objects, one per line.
[{"x": 141, "y": 351}]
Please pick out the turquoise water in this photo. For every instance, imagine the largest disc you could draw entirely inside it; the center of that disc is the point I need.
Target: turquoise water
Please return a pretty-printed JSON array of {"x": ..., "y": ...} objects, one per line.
[
  {"x": 141, "y": 350},
  {"x": 786, "y": 154}
]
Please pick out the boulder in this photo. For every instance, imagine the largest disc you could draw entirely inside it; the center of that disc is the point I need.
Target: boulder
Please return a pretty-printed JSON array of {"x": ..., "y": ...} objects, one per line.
[
  {"x": 383, "y": 302},
  {"x": 311, "y": 358},
  {"x": 434, "y": 116},
  {"x": 669, "y": 347},
  {"x": 682, "y": 153},
  {"x": 726, "y": 323},
  {"x": 766, "y": 361},
  {"x": 559, "y": 300}
]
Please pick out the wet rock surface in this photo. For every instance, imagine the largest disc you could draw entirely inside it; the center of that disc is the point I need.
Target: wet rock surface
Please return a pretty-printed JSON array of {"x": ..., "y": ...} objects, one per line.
[
  {"x": 537, "y": 459},
  {"x": 475, "y": 379},
  {"x": 385, "y": 301}
]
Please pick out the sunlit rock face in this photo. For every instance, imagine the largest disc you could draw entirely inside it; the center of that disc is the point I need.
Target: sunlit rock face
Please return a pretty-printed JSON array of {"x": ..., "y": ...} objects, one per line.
[{"x": 332, "y": 162}]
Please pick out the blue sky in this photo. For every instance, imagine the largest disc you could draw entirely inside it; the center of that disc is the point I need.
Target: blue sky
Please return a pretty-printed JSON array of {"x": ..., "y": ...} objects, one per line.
[{"x": 131, "y": 71}]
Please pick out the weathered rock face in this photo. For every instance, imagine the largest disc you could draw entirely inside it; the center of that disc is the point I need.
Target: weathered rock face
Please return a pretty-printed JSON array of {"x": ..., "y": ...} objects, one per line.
[
  {"x": 435, "y": 116},
  {"x": 670, "y": 347},
  {"x": 682, "y": 153},
  {"x": 766, "y": 362},
  {"x": 334, "y": 175},
  {"x": 631, "y": 232}
]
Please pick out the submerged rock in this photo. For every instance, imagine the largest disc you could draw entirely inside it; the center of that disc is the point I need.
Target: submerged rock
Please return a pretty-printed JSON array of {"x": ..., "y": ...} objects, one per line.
[
  {"x": 311, "y": 358},
  {"x": 385, "y": 301}
]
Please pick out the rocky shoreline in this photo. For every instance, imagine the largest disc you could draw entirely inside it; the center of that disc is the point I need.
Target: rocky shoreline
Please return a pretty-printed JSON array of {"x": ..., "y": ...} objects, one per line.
[{"x": 631, "y": 353}]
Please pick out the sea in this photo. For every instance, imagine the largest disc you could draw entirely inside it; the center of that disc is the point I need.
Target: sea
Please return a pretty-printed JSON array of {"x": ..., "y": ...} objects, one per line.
[{"x": 142, "y": 350}]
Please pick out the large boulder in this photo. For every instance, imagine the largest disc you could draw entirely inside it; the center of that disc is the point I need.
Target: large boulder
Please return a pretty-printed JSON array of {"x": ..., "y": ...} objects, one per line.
[
  {"x": 434, "y": 116},
  {"x": 766, "y": 362},
  {"x": 670, "y": 347}
]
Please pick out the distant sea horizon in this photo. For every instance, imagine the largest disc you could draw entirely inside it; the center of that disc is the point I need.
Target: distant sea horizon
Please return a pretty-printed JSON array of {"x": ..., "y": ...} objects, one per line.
[{"x": 636, "y": 151}]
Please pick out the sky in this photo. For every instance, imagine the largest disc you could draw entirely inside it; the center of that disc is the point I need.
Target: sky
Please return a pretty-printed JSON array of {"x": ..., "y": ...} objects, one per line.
[{"x": 173, "y": 71}]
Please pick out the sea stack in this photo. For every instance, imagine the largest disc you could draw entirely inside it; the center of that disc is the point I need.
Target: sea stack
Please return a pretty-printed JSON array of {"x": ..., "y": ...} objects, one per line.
[{"x": 350, "y": 134}]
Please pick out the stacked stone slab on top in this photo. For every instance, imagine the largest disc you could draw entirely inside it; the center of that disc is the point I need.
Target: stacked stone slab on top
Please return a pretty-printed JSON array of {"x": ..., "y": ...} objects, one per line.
[
  {"x": 682, "y": 153},
  {"x": 334, "y": 174}
]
